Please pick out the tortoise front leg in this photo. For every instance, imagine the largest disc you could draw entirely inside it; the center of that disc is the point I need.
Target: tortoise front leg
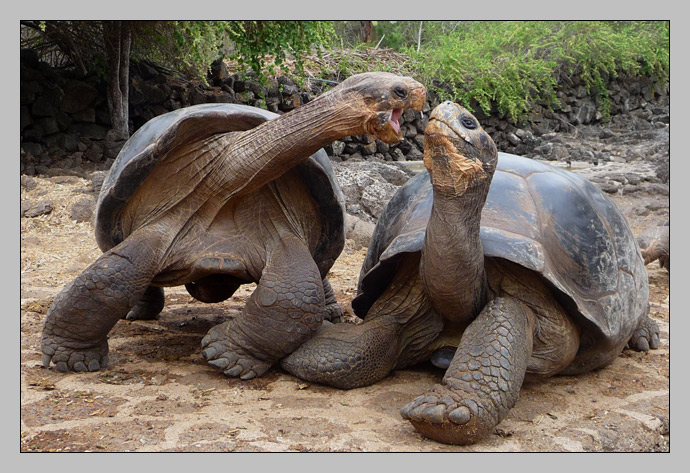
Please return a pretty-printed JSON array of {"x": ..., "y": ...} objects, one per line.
[
  {"x": 333, "y": 310},
  {"x": 77, "y": 325},
  {"x": 482, "y": 382},
  {"x": 286, "y": 308}
]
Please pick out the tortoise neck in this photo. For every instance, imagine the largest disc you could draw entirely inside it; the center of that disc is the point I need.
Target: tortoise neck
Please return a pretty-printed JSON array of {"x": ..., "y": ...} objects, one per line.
[
  {"x": 452, "y": 266},
  {"x": 272, "y": 148}
]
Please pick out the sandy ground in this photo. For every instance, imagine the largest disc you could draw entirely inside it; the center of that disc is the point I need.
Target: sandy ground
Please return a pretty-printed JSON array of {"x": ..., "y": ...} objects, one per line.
[{"x": 159, "y": 395}]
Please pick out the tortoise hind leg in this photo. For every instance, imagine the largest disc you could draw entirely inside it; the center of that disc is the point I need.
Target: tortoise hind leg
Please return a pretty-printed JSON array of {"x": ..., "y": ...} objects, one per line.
[
  {"x": 483, "y": 380},
  {"x": 149, "y": 306},
  {"x": 285, "y": 309},
  {"x": 646, "y": 335},
  {"x": 76, "y": 328},
  {"x": 347, "y": 356}
]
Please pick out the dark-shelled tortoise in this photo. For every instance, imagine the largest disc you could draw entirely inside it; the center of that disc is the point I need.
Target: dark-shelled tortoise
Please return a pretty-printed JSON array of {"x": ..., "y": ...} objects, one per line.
[
  {"x": 215, "y": 196},
  {"x": 495, "y": 267}
]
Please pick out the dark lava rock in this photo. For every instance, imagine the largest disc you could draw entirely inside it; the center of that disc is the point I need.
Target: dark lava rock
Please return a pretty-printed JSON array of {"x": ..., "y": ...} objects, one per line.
[
  {"x": 82, "y": 210},
  {"x": 31, "y": 209},
  {"x": 27, "y": 182}
]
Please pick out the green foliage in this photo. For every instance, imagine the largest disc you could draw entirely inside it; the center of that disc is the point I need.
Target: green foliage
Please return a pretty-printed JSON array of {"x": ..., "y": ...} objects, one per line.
[
  {"x": 186, "y": 46},
  {"x": 254, "y": 41},
  {"x": 511, "y": 65},
  {"x": 503, "y": 65},
  {"x": 191, "y": 46},
  {"x": 401, "y": 35}
]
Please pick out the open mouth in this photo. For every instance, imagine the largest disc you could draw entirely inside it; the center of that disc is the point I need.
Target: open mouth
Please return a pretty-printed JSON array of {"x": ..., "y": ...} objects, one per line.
[{"x": 393, "y": 120}]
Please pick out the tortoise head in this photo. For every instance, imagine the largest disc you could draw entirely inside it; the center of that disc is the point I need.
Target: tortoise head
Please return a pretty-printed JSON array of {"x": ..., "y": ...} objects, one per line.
[
  {"x": 457, "y": 150},
  {"x": 379, "y": 98}
]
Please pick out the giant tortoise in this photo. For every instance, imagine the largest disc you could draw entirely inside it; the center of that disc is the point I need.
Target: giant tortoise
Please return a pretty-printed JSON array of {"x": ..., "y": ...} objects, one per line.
[
  {"x": 215, "y": 196},
  {"x": 493, "y": 266}
]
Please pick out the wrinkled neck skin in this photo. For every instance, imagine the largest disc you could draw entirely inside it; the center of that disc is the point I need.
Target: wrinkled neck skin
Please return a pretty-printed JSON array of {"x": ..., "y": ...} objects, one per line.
[
  {"x": 262, "y": 154},
  {"x": 452, "y": 265}
]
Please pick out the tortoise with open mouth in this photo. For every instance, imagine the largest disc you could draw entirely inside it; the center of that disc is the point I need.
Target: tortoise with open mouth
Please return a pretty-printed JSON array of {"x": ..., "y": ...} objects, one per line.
[{"x": 215, "y": 196}]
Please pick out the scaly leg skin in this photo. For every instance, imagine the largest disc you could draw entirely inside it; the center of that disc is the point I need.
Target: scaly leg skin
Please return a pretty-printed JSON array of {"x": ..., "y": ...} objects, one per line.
[
  {"x": 646, "y": 335},
  {"x": 149, "y": 306},
  {"x": 482, "y": 382},
  {"x": 286, "y": 308},
  {"x": 347, "y": 356},
  {"x": 333, "y": 310},
  {"x": 77, "y": 325}
]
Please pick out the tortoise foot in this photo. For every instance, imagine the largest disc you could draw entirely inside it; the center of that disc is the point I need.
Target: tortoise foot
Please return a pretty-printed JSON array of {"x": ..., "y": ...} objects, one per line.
[
  {"x": 333, "y": 313},
  {"x": 443, "y": 415},
  {"x": 70, "y": 355},
  {"x": 646, "y": 336},
  {"x": 223, "y": 353}
]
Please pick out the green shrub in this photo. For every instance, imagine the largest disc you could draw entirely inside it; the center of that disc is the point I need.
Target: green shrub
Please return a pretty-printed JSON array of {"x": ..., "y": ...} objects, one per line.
[{"x": 511, "y": 65}]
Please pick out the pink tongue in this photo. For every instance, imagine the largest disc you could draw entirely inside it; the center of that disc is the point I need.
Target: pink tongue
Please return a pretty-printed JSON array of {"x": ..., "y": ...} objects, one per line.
[{"x": 395, "y": 116}]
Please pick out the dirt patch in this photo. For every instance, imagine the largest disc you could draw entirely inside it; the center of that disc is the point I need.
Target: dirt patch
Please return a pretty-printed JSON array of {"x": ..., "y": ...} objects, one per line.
[{"x": 159, "y": 395}]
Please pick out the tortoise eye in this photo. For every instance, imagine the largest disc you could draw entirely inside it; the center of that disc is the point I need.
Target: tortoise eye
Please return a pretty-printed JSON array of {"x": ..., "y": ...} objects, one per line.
[
  {"x": 400, "y": 92},
  {"x": 468, "y": 123}
]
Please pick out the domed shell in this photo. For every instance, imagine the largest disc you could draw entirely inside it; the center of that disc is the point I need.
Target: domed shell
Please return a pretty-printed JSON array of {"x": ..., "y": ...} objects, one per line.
[
  {"x": 158, "y": 136},
  {"x": 546, "y": 219}
]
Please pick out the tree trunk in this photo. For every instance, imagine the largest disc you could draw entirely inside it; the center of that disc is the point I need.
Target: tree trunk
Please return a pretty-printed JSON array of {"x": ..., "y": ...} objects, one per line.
[
  {"x": 117, "y": 36},
  {"x": 366, "y": 30}
]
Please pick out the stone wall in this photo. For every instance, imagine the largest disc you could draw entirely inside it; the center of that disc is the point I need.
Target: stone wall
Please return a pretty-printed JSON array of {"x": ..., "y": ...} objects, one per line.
[{"x": 64, "y": 117}]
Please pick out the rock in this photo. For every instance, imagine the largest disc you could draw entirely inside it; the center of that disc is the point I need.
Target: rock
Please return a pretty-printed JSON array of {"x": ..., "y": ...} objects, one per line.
[
  {"x": 358, "y": 230},
  {"x": 42, "y": 107},
  {"x": 626, "y": 190},
  {"x": 82, "y": 210},
  {"x": 94, "y": 153},
  {"x": 88, "y": 130},
  {"x": 663, "y": 172},
  {"x": 290, "y": 102},
  {"x": 69, "y": 142},
  {"x": 382, "y": 147},
  {"x": 544, "y": 150},
  {"x": 338, "y": 147},
  {"x": 48, "y": 125},
  {"x": 375, "y": 197},
  {"x": 397, "y": 155},
  {"x": 586, "y": 113},
  {"x": 369, "y": 185},
  {"x": 610, "y": 187},
  {"x": 559, "y": 153},
  {"x": 513, "y": 139},
  {"x": 24, "y": 117},
  {"x": 368, "y": 149},
  {"x": 633, "y": 178},
  {"x": 63, "y": 120},
  {"x": 85, "y": 116},
  {"x": 30, "y": 209},
  {"x": 78, "y": 96},
  {"x": 657, "y": 189},
  {"x": 219, "y": 71},
  {"x": 97, "y": 178},
  {"x": 64, "y": 180},
  {"x": 32, "y": 148},
  {"x": 414, "y": 154},
  {"x": 27, "y": 182}
]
